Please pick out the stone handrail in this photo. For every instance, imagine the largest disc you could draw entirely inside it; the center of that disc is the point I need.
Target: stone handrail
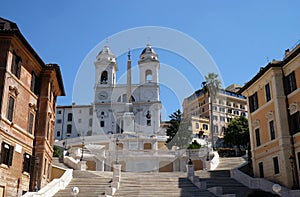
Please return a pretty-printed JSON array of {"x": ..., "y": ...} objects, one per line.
[
  {"x": 215, "y": 161},
  {"x": 54, "y": 186},
  {"x": 260, "y": 183},
  {"x": 74, "y": 163}
]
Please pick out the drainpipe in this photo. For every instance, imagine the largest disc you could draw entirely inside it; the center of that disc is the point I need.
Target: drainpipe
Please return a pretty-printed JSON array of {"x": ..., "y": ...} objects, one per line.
[{"x": 293, "y": 152}]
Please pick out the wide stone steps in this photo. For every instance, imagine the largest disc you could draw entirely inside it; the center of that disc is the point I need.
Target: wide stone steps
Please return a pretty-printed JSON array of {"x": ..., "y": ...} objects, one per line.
[
  {"x": 158, "y": 184},
  {"x": 221, "y": 178},
  {"x": 90, "y": 184}
]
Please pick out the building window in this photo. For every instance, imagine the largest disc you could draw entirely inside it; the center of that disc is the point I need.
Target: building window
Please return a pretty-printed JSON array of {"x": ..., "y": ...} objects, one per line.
[
  {"x": 7, "y": 152},
  {"x": 58, "y": 133},
  {"x": 104, "y": 77},
  {"x": 229, "y": 119},
  {"x": 11, "y": 105},
  {"x": 197, "y": 125},
  {"x": 215, "y": 118},
  {"x": 30, "y": 123},
  {"x": 34, "y": 87},
  {"x": 91, "y": 111},
  {"x": 49, "y": 170},
  {"x": 222, "y": 118},
  {"x": 253, "y": 102},
  {"x": 290, "y": 83},
  {"x": 298, "y": 155},
  {"x": 16, "y": 65},
  {"x": 276, "y": 165},
  {"x": 257, "y": 136},
  {"x": 45, "y": 166},
  {"x": 205, "y": 126},
  {"x": 90, "y": 122},
  {"x": 261, "y": 169},
  {"x": 229, "y": 110},
  {"x": 79, "y": 120},
  {"x": 216, "y": 129},
  {"x": 27, "y": 163},
  {"x": 272, "y": 129},
  {"x": 69, "y": 128},
  {"x": 70, "y": 117},
  {"x": 59, "y": 112},
  {"x": 58, "y": 121},
  {"x": 80, "y": 111},
  {"x": 236, "y": 112},
  {"x": 215, "y": 108},
  {"x": 268, "y": 92},
  {"x": 294, "y": 123},
  {"x": 222, "y": 109},
  {"x": 102, "y": 124},
  {"x": 148, "y": 116}
]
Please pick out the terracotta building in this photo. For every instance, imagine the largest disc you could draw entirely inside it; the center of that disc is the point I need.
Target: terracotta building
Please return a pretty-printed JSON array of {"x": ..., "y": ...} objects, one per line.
[
  {"x": 28, "y": 92},
  {"x": 274, "y": 119}
]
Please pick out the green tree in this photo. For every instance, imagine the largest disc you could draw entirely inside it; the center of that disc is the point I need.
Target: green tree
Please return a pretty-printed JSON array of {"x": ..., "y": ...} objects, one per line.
[
  {"x": 179, "y": 133},
  {"x": 237, "y": 133},
  {"x": 194, "y": 145},
  {"x": 175, "y": 119},
  {"x": 211, "y": 86}
]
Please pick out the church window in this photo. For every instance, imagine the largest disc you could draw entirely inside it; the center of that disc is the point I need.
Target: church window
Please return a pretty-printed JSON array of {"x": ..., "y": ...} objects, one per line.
[
  {"x": 148, "y": 75},
  {"x": 148, "y": 116},
  {"x": 102, "y": 123},
  {"x": 104, "y": 77}
]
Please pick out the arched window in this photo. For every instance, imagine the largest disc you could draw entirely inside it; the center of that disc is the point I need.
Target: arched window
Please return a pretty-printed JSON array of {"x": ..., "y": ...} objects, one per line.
[
  {"x": 148, "y": 117},
  {"x": 58, "y": 133},
  {"x": 148, "y": 75},
  {"x": 104, "y": 77}
]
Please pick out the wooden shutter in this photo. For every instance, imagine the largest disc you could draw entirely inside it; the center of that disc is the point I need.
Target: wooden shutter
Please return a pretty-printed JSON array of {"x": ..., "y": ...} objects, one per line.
[{"x": 11, "y": 154}]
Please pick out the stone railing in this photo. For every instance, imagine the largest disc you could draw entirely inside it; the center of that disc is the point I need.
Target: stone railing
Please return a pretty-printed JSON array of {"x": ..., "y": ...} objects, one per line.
[
  {"x": 54, "y": 186},
  {"x": 215, "y": 161},
  {"x": 260, "y": 183},
  {"x": 76, "y": 164}
]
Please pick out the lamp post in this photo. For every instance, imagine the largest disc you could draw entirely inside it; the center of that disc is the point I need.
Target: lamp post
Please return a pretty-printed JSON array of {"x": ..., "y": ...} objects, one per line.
[
  {"x": 117, "y": 144},
  {"x": 190, "y": 160},
  {"x": 74, "y": 191},
  {"x": 291, "y": 158},
  {"x": 276, "y": 188},
  {"x": 37, "y": 162},
  {"x": 81, "y": 158}
]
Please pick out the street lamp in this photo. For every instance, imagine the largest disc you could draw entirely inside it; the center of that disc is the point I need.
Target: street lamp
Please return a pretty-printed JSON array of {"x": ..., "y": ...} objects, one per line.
[
  {"x": 37, "y": 162},
  {"x": 81, "y": 158},
  {"x": 117, "y": 144},
  {"x": 74, "y": 191},
  {"x": 291, "y": 158},
  {"x": 190, "y": 160},
  {"x": 276, "y": 188}
]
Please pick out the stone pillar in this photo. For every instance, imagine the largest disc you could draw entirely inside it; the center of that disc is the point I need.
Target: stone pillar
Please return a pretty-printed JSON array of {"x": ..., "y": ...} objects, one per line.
[
  {"x": 82, "y": 165},
  {"x": 190, "y": 170},
  {"x": 117, "y": 173}
]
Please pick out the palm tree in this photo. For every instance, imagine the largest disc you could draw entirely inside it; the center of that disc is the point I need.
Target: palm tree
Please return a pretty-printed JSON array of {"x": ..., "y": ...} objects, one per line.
[{"x": 211, "y": 86}]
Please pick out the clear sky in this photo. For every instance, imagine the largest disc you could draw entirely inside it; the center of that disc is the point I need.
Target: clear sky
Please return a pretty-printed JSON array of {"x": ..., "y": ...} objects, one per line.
[{"x": 240, "y": 36}]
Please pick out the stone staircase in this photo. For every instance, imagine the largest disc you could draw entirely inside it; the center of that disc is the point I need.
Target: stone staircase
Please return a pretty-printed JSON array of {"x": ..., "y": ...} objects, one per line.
[
  {"x": 221, "y": 178},
  {"x": 90, "y": 183},
  {"x": 158, "y": 184}
]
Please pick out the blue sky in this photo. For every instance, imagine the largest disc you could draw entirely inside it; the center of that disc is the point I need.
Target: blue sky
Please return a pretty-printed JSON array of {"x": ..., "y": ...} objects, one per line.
[{"x": 240, "y": 36}]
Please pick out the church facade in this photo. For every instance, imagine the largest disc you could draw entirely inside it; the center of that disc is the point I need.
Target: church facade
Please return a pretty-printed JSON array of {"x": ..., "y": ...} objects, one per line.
[{"x": 133, "y": 108}]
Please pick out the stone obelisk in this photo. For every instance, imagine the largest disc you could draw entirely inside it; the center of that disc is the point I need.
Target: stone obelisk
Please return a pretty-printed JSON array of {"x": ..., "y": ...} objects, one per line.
[{"x": 128, "y": 116}]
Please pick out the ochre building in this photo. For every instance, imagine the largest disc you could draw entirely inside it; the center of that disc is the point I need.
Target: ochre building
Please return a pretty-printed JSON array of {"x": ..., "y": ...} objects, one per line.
[{"x": 274, "y": 120}]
